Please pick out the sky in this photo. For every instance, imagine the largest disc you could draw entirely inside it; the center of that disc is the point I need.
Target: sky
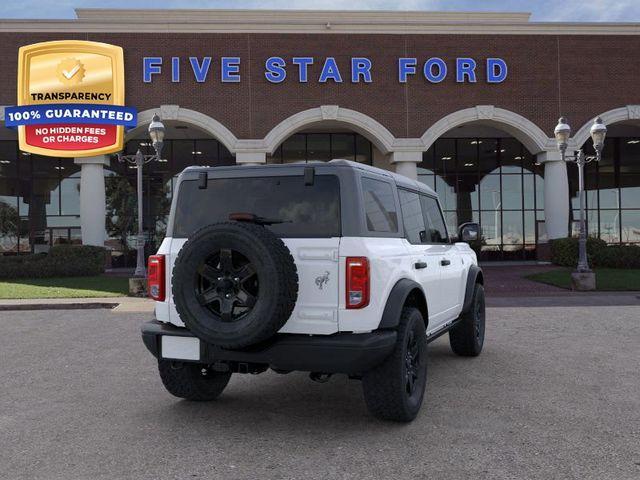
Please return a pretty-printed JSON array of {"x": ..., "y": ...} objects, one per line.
[{"x": 542, "y": 10}]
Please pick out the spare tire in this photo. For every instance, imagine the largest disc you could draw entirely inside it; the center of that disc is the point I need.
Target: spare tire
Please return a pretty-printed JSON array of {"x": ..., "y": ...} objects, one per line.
[{"x": 235, "y": 284}]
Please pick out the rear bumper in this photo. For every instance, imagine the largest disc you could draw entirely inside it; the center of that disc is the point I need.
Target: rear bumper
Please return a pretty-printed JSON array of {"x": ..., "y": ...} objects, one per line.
[{"x": 339, "y": 353}]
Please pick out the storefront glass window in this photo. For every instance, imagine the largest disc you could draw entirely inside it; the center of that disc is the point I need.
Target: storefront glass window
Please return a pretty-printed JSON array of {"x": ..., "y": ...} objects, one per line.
[
  {"x": 318, "y": 147},
  {"x": 8, "y": 159},
  {"x": 493, "y": 181},
  {"x": 158, "y": 183},
  {"x": 70, "y": 195},
  {"x": 612, "y": 191},
  {"x": 343, "y": 146},
  {"x": 206, "y": 152},
  {"x": 294, "y": 149},
  {"x": 512, "y": 192},
  {"x": 364, "y": 150},
  {"x": 630, "y": 224},
  {"x": 490, "y": 180},
  {"x": 306, "y": 147}
]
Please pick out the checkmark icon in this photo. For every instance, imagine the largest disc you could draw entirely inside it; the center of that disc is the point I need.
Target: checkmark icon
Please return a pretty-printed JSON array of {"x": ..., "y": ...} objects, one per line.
[{"x": 71, "y": 73}]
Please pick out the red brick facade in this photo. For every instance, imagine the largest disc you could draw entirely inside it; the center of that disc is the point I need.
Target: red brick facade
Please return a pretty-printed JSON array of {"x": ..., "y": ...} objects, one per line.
[{"x": 578, "y": 76}]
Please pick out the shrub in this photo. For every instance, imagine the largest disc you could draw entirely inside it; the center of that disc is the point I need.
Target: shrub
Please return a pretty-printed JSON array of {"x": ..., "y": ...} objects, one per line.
[
  {"x": 61, "y": 261},
  {"x": 618, "y": 256},
  {"x": 564, "y": 252}
]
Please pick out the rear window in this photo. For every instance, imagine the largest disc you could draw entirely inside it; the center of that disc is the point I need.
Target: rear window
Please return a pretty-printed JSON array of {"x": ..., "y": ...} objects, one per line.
[{"x": 305, "y": 210}]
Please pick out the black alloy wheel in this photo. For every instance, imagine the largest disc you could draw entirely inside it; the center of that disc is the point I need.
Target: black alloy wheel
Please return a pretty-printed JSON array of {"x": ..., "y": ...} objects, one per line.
[
  {"x": 479, "y": 320},
  {"x": 467, "y": 337},
  {"x": 227, "y": 284},
  {"x": 413, "y": 360}
]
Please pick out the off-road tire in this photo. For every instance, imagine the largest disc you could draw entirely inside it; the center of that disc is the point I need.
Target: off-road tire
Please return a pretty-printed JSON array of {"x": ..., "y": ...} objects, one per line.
[
  {"x": 192, "y": 381},
  {"x": 385, "y": 387},
  {"x": 467, "y": 337},
  {"x": 277, "y": 280}
]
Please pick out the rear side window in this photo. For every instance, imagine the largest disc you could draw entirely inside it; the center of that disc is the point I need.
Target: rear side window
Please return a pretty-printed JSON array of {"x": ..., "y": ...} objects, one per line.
[
  {"x": 436, "y": 229},
  {"x": 412, "y": 217},
  {"x": 304, "y": 210},
  {"x": 379, "y": 206}
]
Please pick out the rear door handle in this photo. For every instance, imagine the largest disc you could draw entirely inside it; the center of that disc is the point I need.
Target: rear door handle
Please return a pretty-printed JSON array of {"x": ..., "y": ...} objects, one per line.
[
  {"x": 444, "y": 262},
  {"x": 419, "y": 265}
]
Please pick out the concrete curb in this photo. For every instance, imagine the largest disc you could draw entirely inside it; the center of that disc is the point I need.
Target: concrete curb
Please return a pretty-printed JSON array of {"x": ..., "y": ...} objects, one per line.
[
  {"x": 571, "y": 299},
  {"x": 57, "y": 306},
  {"x": 115, "y": 304}
]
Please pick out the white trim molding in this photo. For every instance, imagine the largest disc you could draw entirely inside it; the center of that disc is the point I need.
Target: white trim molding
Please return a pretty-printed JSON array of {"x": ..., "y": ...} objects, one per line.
[
  {"x": 192, "y": 117},
  {"x": 531, "y": 136},
  {"x": 373, "y": 130},
  {"x": 622, "y": 114},
  {"x": 312, "y": 21}
]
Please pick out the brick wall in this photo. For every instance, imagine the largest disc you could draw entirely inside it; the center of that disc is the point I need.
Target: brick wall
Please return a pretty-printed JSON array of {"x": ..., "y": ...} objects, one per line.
[{"x": 578, "y": 76}]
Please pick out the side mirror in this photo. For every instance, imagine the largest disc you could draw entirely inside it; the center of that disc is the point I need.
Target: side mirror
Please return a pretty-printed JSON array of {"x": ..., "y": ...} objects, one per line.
[{"x": 469, "y": 232}]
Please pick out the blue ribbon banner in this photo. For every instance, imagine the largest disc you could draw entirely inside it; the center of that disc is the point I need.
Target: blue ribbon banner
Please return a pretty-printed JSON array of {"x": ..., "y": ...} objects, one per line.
[{"x": 70, "y": 113}]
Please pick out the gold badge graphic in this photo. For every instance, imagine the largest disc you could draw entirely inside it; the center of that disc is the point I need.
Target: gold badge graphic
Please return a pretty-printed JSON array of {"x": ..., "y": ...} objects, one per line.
[
  {"x": 70, "y": 71},
  {"x": 71, "y": 94}
]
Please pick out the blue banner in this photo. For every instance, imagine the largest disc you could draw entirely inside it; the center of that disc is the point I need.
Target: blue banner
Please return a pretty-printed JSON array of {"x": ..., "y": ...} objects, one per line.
[{"x": 70, "y": 113}]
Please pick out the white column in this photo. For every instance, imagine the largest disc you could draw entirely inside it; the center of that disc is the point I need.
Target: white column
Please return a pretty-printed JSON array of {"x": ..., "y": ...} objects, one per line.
[
  {"x": 556, "y": 194},
  {"x": 406, "y": 163},
  {"x": 93, "y": 209},
  {"x": 251, "y": 158}
]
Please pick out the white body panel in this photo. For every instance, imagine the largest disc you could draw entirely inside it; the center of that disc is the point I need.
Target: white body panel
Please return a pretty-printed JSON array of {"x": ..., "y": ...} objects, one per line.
[
  {"x": 317, "y": 263},
  {"x": 320, "y": 309},
  {"x": 389, "y": 261},
  {"x": 429, "y": 278},
  {"x": 316, "y": 310},
  {"x": 166, "y": 311}
]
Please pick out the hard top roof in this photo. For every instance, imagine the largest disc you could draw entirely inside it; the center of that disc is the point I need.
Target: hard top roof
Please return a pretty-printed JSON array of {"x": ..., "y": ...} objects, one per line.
[{"x": 400, "y": 180}]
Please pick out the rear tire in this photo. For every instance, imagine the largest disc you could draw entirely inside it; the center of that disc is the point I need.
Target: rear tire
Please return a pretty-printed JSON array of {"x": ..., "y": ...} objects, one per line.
[
  {"x": 395, "y": 389},
  {"x": 192, "y": 381},
  {"x": 234, "y": 284},
  {"x": 467, "y": 337}
]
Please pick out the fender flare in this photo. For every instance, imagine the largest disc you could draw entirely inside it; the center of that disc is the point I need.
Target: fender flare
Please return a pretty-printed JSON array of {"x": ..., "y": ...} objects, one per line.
[
  {"x": 397, "y": 299},
  {"x": 474, "y": 276}
]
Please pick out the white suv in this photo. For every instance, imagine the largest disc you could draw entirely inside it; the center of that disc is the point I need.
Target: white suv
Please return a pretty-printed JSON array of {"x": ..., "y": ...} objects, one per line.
[{"x": 328, "y": 268}]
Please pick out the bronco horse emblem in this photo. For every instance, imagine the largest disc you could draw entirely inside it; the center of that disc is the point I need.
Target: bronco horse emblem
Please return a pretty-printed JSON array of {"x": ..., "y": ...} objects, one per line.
[{"x": 322, "y": 280}]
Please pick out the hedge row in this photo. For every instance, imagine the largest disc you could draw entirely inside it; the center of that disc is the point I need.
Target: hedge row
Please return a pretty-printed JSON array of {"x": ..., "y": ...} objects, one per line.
[
  {"x": 564, "y": 252},
  {"x": 61, "y": 261}
]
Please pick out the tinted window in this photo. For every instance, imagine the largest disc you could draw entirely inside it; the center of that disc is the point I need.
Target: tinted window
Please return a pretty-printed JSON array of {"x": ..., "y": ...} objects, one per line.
[
  {"x": 412, "y": 218},
  {"x": 436, "y": 230},
  {"x": 380, "y": 206},
  {"x": 306, "y": 211}
]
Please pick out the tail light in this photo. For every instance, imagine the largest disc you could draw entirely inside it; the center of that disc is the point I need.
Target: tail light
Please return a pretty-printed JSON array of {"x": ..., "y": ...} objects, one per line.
[
  {"x": 155, "y": 277},
  {"x": 357, "y": 282}
]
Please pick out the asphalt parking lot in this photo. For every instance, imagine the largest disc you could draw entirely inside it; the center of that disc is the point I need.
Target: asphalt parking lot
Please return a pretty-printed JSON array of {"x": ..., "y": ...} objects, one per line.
[{"x": 555, "y": 394}]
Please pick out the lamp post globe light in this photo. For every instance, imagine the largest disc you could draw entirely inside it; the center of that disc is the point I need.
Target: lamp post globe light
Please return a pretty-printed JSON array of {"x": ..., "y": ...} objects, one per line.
[
  {"x": 156, "y": 133},
  {"x": 583, "y": 278}
]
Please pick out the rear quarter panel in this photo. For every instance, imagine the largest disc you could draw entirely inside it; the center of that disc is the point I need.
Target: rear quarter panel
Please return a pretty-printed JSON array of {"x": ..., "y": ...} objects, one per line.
[{"x": 389, "y": 261}]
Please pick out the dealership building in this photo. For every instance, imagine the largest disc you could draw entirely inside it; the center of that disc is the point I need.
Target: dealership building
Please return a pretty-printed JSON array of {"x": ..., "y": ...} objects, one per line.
[{"x": 464, "y": 102}]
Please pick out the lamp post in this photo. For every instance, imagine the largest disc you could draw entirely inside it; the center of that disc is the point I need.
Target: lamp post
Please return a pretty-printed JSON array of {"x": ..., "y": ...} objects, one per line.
[
  {"x": 562, "y": 133},
  {"x": 156, "y": 133}
]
